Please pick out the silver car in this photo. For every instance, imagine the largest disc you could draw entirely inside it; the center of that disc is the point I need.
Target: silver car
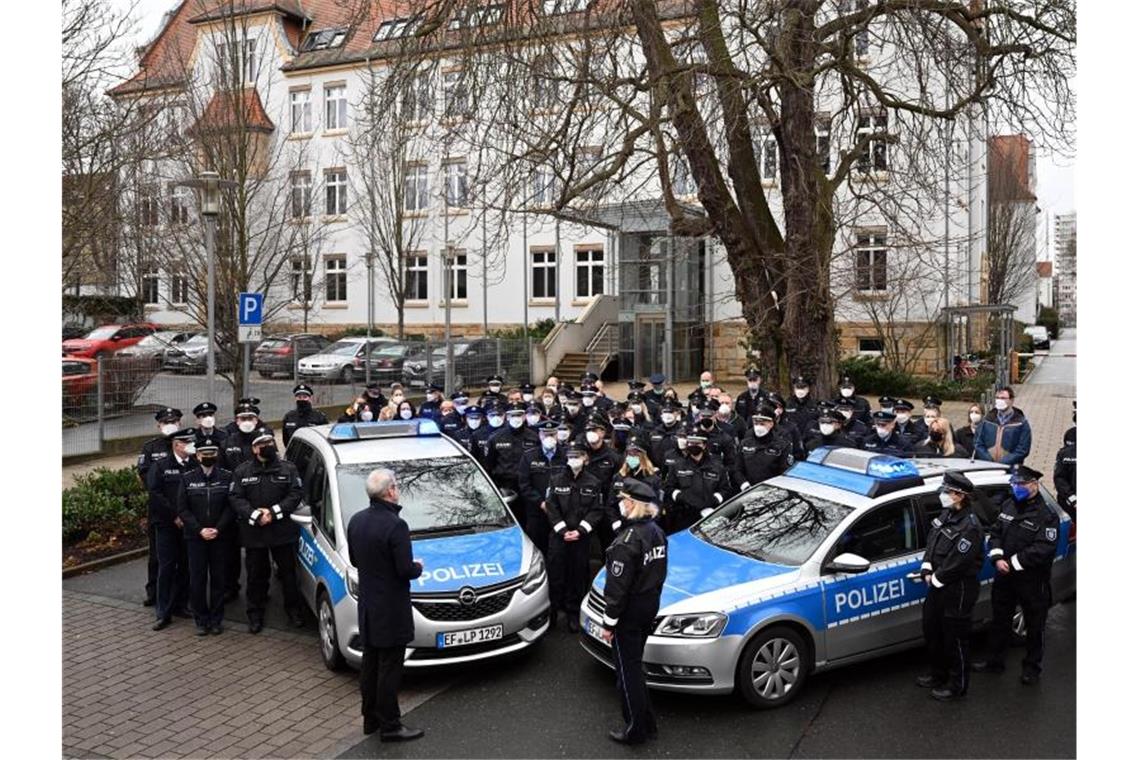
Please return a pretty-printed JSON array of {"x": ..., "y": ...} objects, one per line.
[
  {"x": 340, "y": 361},
  {"x": 483, "y": 591}
]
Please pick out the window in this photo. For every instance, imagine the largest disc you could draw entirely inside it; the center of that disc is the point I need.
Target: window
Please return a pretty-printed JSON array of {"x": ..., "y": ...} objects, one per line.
[
  {"x": 862, "y": 37},
  {"x": 179, "y": 206},
  {"x": 469, "y": 18},
  {"x": 336, "y": 192},
  {"x": 886, "y": 532},
  {"x": 558, "y": 7},
  {"x": 683, "y": 183},
  {"x": 458, "y": 275},
  {"x": 237, "y": 61},
  {"x": 300, "y": 278},
  {"x": 455, "y": 175},
  {"x": 397, "y": 28},
  {"x": 543, "y": 273},
  {"x": 543, "y": 186},
  {"x": 179, "y": 288},
  {"x": 415, "y": 277},
  {"x": 416, "y": 188},
  {"x": 590, "y": 271},
  {"x": 544, "y": 84},
  {"x": 150, "y": 284},
  {"x": 149, "y": 208},
  {"x": 417, "y": 98},
  {"x": 767, "y": 155},
  {"x": 823, "y": 145},
  {"x": 871, "y": 346},
  {"x": 336, "y": 279},
  {"x": 336, "y": 107},
  {"x": 300, "y": 112},
  {"x": 873, "y": 156},
  {"x": 300, "y": 195},
  {"x": 871, "y": 261},
  {"x": 454, "y": 94},
  {"x": 323, "y": 39}
]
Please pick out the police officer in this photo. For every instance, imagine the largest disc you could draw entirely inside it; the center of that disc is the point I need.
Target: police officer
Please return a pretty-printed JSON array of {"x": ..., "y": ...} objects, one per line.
[
  {"x": 474, "y": 433},
  {"x": 232, "y": 426},
  {"x": 207, "y": 522},
  {"x": 533, "y": 415},
  {"x": 695, "y": 485},
  {"x": 429, "y": 409},
  {"x": 853, "y": 426},
  {"x": 763, "y": 453},
  {"x": 264, "y": 492},
  {"x": 505, "y": 450},
  {"x": 802, "y": 408},
  {"x": 752, "y": 396},
  {"x": 206, "y": 414},
  {"x": 950, "y": 569},
  {"x": 1023, "y": 543},
  {"x": 527, "y": 391},
  {"x": 910, "y": 430},
  {"x": 494, "y": 392},
  {"x": 365, "y": 407},
  {"x": 1065, "y": 473},
  {"x": 719, "y": 443},
  {"x": 236, "y": 449},
  {"x": 603, "y": 463},
  {"x": 574, "y": 506},
  {"x": 787, "y": 428},
  {"x": 636, "y": 564},
  {"x": 638, "y": 466},
  {"x": 164, "y": 478},
  {"x": 573, "y": 414},
  {"x": 535, "y": 469},
  {"x": 153, "y": 451},
  {"x": 303, "y": 416},
  {"x": 885, "y": 439},
  {"x": 662, "y": 439},
  {"x": 830, "y": 432},
  {"x": 862, "y": 409},
  {"x": 656, "y": 392},
  {"x": 642, "y": 412}
]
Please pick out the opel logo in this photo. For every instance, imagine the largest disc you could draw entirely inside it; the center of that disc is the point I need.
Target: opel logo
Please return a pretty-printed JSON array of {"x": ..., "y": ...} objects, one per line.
[{"x": 467, "y": 596}]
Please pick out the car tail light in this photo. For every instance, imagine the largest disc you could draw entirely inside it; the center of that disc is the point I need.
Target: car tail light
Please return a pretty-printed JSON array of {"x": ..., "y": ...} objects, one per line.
[{"x": 284, "y": 351}]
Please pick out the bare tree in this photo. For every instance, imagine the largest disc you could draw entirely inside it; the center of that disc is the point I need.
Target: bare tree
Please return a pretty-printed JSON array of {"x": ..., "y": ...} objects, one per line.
[{"x": 1011, "y": 229}]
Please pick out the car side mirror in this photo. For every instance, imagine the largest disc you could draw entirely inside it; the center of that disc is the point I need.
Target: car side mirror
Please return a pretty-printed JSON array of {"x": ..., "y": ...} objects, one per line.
[
  {"x": 848, "y": 563},
  {"x": 303, "y": 515}
]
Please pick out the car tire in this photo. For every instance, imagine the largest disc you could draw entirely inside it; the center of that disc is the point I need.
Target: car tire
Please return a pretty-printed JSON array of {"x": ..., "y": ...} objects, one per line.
[
  {"x": 346, "y": 374},
  {"x": 327, "y": 635},
  {"x": 773, "y": 667},
  {"x": 265, "y": 375}
]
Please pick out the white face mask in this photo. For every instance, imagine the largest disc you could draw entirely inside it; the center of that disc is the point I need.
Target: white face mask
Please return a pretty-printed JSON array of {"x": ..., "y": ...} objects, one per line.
[
  {"x": 247, "y": 426},
  {"x": 532, "y": 419},
  {"x": 494, "y": 388},
  {"x": 516, "y": 422},
  {"x": 753, "y": 386},
  {"x": 473, "y": 422},
  {"x": 800, "y": 392},
  {"x": 635, "y": 408},
  {"x": 575, "y": 463},
  {"x": 1001, "y": 404},
  {"x": 366, "y": 415},
  {"x": 930, "y": 418},
  {"x": 397, "y": 400},
  {"x": 460, "y": 408},
  {"x": 528, "y": 397},
  {"x": 946, "y": 500},
  {"x": 563, "y": 435},
  {"x": 206, "y": 422},
  {"x": 760, "y": 430},
  {"x": 902, "y": 418},
  {"x": 548, "y": 401},
  {"x": 549, "y": 442},
  {"x": 975, "y": 417},
  {"x": 587, "y": 401},
  {"x": 682, "y": 442},
  {"x": 592, "y": 436},
  {"x": 405, "y": 414},
  {"x": 495, "y": 421},
  {"x": 724, "y": 409},
  {"x": 668, "y": 417},
  {"x": 847, "y": 414},
  {"x": 826, "y": 428},
  {"x": 191, "y": 449},
  {"x": 170, "y": 429},
  {"x": 846, "y": 392}
]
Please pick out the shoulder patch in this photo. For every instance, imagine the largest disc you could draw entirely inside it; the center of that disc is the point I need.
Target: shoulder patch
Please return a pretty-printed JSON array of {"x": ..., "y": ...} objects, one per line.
[
  {"x": 964, "y": 545},
  {"x": 617, "y": 567},
  {"x": 1051, "y": 534}
]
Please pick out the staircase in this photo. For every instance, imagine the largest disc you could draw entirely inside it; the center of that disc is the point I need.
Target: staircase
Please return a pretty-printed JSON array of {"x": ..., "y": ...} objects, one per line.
[
  {"x": 601, "y": 349},
  {"x": 572, "y": 366}
]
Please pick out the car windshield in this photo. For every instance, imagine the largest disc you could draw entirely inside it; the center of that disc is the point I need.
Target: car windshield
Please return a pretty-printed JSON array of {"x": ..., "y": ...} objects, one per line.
[
  {"x": 344, "y": 348},
  {"x": 390, "y": 351},
  {"x": 773, "y": 525},
  {"x": 272, "y": 343},
  {"x": 443, "y": 495},
  {"x": 157, "y": 340},
  {"x": 102, "y": 333},
  {"x": 457, "y": 349},
  {"x": 196, "y": 340}
]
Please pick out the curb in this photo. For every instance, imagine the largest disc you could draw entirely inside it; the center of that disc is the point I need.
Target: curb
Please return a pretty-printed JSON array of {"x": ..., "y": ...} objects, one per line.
[{"x": 99, "y": 564}]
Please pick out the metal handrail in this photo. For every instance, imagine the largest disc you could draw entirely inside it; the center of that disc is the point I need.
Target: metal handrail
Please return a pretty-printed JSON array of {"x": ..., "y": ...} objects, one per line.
[{"x": 600, "y": 358}]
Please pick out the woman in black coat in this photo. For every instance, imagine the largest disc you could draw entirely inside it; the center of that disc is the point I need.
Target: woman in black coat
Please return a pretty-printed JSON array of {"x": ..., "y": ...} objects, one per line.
[
  {"x": 964, "y": 436},
  {"x": 637, "y": 465}
]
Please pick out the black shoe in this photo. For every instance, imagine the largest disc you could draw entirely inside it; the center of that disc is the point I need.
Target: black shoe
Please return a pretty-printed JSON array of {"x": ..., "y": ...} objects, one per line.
[
  {"x": 1030, "y": 679},
  {"x": 148, "y": 602},
  {"x": 201, "y": 631},
  {"x": 401, "y": 734},
  {"x": 296, "y": 620},
  {"x": 572, "y": 623},
  {"x": 928, "y": 682},
  {"x": 621, "y": 737},
  {"x": 182, "y": 613},
  {"x": 160, "y": 624},
  {"x": 371, "y": 726},
  {"x": 985, "y": 666},
  {"x": 945, "y": 695},
  {"x": 216, "y": 630},
  {"x": 255, "y": 626}
]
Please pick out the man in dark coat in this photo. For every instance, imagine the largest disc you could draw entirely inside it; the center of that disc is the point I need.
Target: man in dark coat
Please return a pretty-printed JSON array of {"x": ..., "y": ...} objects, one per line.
[{"x": 380, "y": 548}]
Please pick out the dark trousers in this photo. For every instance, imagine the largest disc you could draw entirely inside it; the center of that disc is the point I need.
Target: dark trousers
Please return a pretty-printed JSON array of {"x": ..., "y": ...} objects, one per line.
[
  {"x": 636, "y": 709},
  {"x": 538, "y": 527},
  {"x": 232, "y": 575},
  {"x": 380, "y": 672},
  {"x": 258, "y": 572},
  {"x": 568, "y": 564},
  {"x": 1034, "y": 594},
  {"x": 172, "y": 584},
  {"x": 151, "y": 562},
  {"x": 946, "y": 623},
  {"x": 207, "y": 578}
]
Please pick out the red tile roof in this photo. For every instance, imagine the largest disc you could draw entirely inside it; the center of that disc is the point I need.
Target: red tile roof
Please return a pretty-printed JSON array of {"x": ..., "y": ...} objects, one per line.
[{"x": 234, "y": 109}]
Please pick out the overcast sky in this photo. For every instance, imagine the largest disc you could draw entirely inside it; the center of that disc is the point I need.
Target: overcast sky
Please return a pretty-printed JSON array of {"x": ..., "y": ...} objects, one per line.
[{"x": 1055, "y": 191}]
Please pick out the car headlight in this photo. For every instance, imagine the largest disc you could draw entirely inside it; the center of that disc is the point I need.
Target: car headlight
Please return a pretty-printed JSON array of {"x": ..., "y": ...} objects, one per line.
[
  {"x": 536, "y": 574},
  {"x": 352, "y": 582},
  {"x": 706, "y": 625}
]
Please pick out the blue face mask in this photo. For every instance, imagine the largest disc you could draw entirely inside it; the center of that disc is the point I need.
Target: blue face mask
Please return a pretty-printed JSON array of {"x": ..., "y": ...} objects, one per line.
[
  {"x": 1020, "y": 492},
  {"x": 633, "y": 462}
]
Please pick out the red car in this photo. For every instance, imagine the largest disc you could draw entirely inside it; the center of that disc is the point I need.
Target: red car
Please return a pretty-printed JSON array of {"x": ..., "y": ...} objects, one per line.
[
  {"x": 107, "y": 340},
  {"x": 79, "y": 382},
  {"x": 124, "y": 380}
]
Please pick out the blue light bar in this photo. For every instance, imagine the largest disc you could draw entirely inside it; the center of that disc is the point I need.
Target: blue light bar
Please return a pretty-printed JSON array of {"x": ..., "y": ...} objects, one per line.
[
  {"x": 357, "y": 431},
  {"x": 860, "y": 472},
  {"x": 891, "y": 468}
]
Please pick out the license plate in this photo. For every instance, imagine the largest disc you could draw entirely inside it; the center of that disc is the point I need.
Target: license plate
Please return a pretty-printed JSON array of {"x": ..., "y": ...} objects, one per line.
[
  {"x": 472, "y": 636},
  {"x": 417, "y": 383},
  {"x": 593, "y": 629}
]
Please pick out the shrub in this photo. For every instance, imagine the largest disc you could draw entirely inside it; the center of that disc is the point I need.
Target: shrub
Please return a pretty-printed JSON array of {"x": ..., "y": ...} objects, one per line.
[
  {"x": 1050, "y": 319},
  {"x": 538, "y": 331},
  {"x": 104, "y": 501},
  {"x": 871, "y": 378}
]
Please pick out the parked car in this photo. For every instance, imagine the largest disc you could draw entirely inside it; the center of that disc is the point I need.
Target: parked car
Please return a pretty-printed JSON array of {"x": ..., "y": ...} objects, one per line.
[
  {"x": 340, "y": 360},
  {"x": 190, "y": 356},
  {"x": 388, "y": 362},
  {"x": 107, "y": 339},
  {"x": 276, "y": 355},
  {"x": 1040, "y": 335},
  {"x": 475, "y": 361},
  {"x": 74, "y": 330},
  {"x": 150, "y": 350},
  {"x": 123, "y": 380}
]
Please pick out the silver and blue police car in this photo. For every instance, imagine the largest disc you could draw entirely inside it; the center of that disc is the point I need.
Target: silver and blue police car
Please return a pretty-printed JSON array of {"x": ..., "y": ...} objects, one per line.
[
  {"x": 483, "y": 591},
  {"x": 806, "y": 572}
]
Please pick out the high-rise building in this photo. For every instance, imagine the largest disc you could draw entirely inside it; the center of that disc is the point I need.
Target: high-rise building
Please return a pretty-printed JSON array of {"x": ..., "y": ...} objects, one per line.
[{"x": 1065, "y": 267}]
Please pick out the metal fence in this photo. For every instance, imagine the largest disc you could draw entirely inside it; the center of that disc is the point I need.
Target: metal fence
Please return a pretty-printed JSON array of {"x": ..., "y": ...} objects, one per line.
[{"x": 114, "y": 398}]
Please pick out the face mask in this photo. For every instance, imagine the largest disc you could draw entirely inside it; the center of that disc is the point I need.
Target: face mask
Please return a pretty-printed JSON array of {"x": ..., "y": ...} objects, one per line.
[
  {"x": 528, "y": 397},
  {"x": 494, "y": 388},
  {"x": 975, "y": 417},
  {"x": 397, "y": 400},
  {"x": 588, "y": 401},
  {"x": 473, "y": 422},
  {"x": 170, "y": 429},
  {"x": 694, "y": 449},
  {"x": 191, "y": 449},
  {"x": 247, "y": 426},
  {"x": 405, "y": 414},
  {"x": 706, "y": 383},
  {"x": 681, "y": 443},
  {"x": 563, "y": 435},
  {"x": 930, "y": 418},
  {"x": 1020, "y": 492},
  {"x": 516, "y": 422},
  {"x": 946, "y": 500},
  {"x": 575, "y": 463},
  {"x": 902, "y": 419},
  {"x": 206, "y": 422},
  {"x": 657, "y": 387},
  {"x": 670, "y": 397},
  {"x": 571, "y": 409},
  {"x": 846, "y": 392},
  {"x": 847, "y": 414},
  {"x": 635, "y": 408},
  {"x": 548, "y": 401},
  {"x": 495, "y": 420},
  {"x": 208, "y": 460},
  {"x": 1001, "y": 404},
  {"x": 268, "y": 454},
  {"x": 707, "y": 423},
  {"x": 549, "y": 442},
  {"x": 366, "y": 415},
  {"x": 827, "y": 428},
  {"x": 532, "y": 419},
  {"x": 753, "y": 386},
  {"x": 724, "y": 409},
  {"x": 936, "y": 437},
  {"x": 883, "y": 432},
  {"x": 460, "y": 408},
  {"x": 592, "y": 437},
  {"x": 668, "y": 417},
  {"x": 633, "y": 462},
  {"x": 760, "y": 430},
  {"x": 304, "y": 406},
  {"x": 801, "y": 392}
]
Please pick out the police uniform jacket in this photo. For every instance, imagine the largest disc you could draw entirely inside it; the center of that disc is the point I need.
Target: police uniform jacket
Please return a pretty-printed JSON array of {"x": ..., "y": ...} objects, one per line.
[
  {"x": 429, "y": 410},
  {"x": 697, "y": 484},
  {"x": 721, "y": 445},
  {"x": 838, "y": 438},
  {"x": 913, "y": 432},
  {"x": 450, "y": 424},
  {"x": 1025, "y": 536},
  {"x": 791, "y": 431},
  {"x": 802, "y": 412},
  {"x": 275, "y": 486},
  {"x": 603, "y": 463},
  {"x": 636, "y": 563},
  {"x": 154, "y": 450},
  {"x": 862, "y": 408},
  {"x": 475, "y": 441},
  {"x": 380, "y": 548},
  {"x": 747, "y": 403},
  {"x": 893, "y": 445},
  {"x": 857, "y": 431},
  {"x": 573, "y": 503},
  {"x": 1065, "y": 475},
  {"x": 535, "y": 469},
  {"x": 163, "y": 481},
  {"x": 661, "y": 439},
  {"x": 295, "y": 419},
  {"x": 505, "y": 449},
  {"x": 762, "y": 458},
  {"x": 953, "y": 548},
  {"x": 204, "y": 502},
  {"x": 236, "y": 449}
]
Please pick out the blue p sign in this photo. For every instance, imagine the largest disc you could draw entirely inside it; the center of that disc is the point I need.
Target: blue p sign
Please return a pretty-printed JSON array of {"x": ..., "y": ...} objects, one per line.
[{"x": 249, "y": 308}]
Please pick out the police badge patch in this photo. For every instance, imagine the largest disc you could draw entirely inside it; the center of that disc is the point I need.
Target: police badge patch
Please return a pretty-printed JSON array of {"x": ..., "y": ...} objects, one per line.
[
  {"x": 617, "y": 568},
  {"x": 964, "y": 546},
  {"x": 1051, "y": 534}
]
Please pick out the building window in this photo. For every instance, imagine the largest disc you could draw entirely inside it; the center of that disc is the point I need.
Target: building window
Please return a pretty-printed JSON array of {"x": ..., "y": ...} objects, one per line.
[
  {"x": 301, "y": 280},
  {"x": 323, "y": 39},
  {"x": 416, "y": 187},
  {"x": 336, "y": 279},
  {"x": 179, "y": 288},
  {"x": 871, "y": 262},
  {"x": 823, "y": 145},
  {"x": 300, "y": 111},
  {"x": 397, "y": 28},
  {"x": 455, "y": 175},
  {"x": 542, "y": 187},
  {"x": 237, "y": 61},
  {"x": 871, "y": 346},
  {"x": 586, "y": 160},
  {"x": 487, "y": 15},
  {"x": 150, "y": 284},
  {"x": 544, "y": 83},
  {"x": 300, "y": 195},
  {"x": 416, "y": 277},
  {"x": 873, "y": 156},
  {"x": 454, "y": 95},
  {"x": 591, "y": 272},
  {"x": 767, "y": 156},
  {"x": 458, "y": 275},
  {"x": 542, "y": 273},
  {"x": 417, "y": 98},
  {"x": 862, "y": 37},
  {"x": 149, "y": 208},
  {"x": 179, "y": 206},
  {"x": 336, "y": 192},
  {"x": 336, "y": 107}
]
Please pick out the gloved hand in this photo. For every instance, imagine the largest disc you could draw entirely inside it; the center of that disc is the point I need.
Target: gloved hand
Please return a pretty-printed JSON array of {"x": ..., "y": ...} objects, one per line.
[
  {"x": 744, "y": 485},
  {"x": 706, "y": 511}
]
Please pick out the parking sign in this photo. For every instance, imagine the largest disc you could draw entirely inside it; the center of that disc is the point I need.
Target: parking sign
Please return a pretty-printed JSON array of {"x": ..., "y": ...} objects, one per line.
[{"x": 249, "y": 308}]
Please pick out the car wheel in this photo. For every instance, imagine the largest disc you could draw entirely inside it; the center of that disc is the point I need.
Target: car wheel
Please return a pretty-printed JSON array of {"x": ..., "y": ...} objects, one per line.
[
  {"x": 326, "y": 627},
  {"x": 346, "y": 375},
  {"x": 264, "y": 374},
  {"x": 773, "y": 667}
]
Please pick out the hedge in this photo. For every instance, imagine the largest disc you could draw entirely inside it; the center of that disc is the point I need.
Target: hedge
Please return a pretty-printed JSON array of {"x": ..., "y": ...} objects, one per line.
[
  {"x": 104, "y": 502},
  {"x": 870, "y": 377}
]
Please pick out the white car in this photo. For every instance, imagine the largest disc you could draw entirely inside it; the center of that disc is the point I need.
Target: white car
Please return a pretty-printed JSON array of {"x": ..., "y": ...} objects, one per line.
[
  {"x": 340, "y": 360},
  {"x": 1039, "y": 334}
]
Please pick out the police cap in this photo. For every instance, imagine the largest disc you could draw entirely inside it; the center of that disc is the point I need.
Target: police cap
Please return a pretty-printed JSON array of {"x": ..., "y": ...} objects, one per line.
[
  {"x": 590, "y": 377},
  {"x": 372, "y": 386},
  {"x": 883, "y": 416},
  {"x": 207, "y": 442},
  {"x": 186, "y": 435},
  {"x": 765, "y": 412},
  {"x": 955, "y": 480},
  {"x": 302, "y": 389},
  {"x": 473, "y": 411},
  {"x": 637, "y": 443},
  {"x": 845, "y": 382},
  {"x": 205, "y": 408},
  {"x": 635, "y": 396},
  {"x": 459, "y": 395},
  {"x": 516, "y": 408},
  {"x": 799, "y": 381},
  {"x": 932, "y": 402},
  {"x": 435, "y": 387},
  {"x": 1023, "y": 473},
  {"x": 635, "y": 385},
  {"x": 887, "y": 402},
  {"x": 752, "y": 373},
  {"x": 902, "y": 403},
  {"x": 261, "y": 435},
  {"x": 497, "y": 379},
  {"x": 247, "y": 409},
  {"x": 526, "y": 388},
  {"x": 776, "y": 399},
  {"x": 844, "y": 403},
  {"x": 657, "y": 379},
  {"x": 638, "y": 491},
  {"x": 832, "y": 416},
  {"x": 598, "y": 421},
  {"x": 251, "y": 400},
  {"x": 573, "y": 395},
  {"x": 577, "y": 447},
  {"x": 547, "y": 426},
  {"x": 169, "y": 413}
]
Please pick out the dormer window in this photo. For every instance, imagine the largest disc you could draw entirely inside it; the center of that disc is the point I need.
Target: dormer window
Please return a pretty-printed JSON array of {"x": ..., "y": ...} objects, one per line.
[
  {"x": 470, "y": 18},
  {"x": 324, "y": 39},
  {"x": 396, "y": 28}
]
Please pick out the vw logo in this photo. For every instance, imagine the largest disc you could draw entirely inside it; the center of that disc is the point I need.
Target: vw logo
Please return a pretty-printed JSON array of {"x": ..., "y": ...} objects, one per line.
[{"x": 467, "y": 596}]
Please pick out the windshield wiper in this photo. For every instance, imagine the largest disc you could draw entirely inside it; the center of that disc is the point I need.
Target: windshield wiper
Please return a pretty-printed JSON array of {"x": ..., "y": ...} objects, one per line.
[{"x": 458, "y": 528}]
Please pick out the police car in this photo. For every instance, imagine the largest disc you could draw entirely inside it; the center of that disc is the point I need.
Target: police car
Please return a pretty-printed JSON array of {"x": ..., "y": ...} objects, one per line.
[
  {"x": 806, "y": 572},
  {"x": 483, "y": 591}
]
